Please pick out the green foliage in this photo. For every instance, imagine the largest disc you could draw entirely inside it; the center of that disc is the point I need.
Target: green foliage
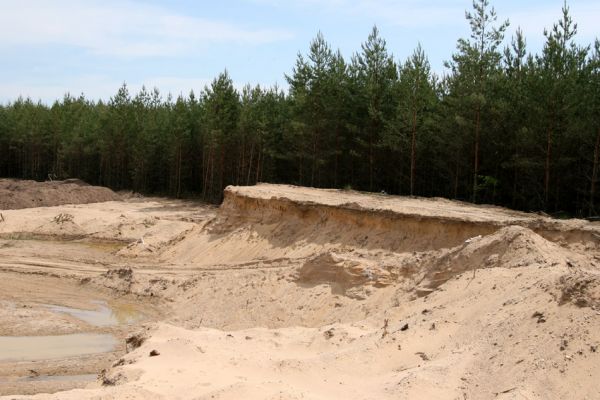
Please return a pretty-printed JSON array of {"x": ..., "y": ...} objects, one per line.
[{"x": 503, "y": 126}]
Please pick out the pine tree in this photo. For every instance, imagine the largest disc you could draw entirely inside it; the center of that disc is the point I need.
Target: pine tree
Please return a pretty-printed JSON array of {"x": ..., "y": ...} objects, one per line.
[
  {"x": 516, "y": 114},
  {"x": 592, "y": 91},
  {"x": 473, "y": 67},
  {"x": 222, "y": 116},
  {"x": 375, "y": 75},
  {"x": 559, "y": 65},
  {"x": 416, "y": 99}
]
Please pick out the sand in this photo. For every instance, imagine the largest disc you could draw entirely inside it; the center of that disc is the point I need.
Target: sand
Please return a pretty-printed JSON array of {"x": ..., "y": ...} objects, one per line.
[
  {"x": 297, "y": 293},
  {"x": 19, "y": 194}
]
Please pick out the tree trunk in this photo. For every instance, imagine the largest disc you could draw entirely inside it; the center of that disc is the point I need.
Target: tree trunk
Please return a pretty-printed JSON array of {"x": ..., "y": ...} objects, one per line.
[
  {"x": 208, "y": 173},
  {"x": 258, "y": 171},
  {"x": 240, "y": 170},
  {"x": 371, "y": 161},
  {"x": 204, "y": 171},
  {"x": 250, "y": 164},
  {"x": 221, "y": 169},
  {"x": 337, "y": 153},
  {"x": 314, "y": 166},
  {"x": 179, "y": 172},
  {"x": 594, "y": 174},
  {"x": 515, "y": 174},
  {"x": 456, "y": 176},
  {"x": 413, "y": 148},
  {"x": 547, "y": 167},
  {"x": 300, "y": 170},
  {"x": 212, "y": 173},
  {"x": 476, "y": 164}
]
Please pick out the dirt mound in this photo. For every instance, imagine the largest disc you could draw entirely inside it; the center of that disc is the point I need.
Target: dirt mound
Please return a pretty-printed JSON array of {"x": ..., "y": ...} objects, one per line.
[
  {"x": 62, "y": 224},
  {"x": 509, "y": 247},
  {"x": 18, "y": 194}
]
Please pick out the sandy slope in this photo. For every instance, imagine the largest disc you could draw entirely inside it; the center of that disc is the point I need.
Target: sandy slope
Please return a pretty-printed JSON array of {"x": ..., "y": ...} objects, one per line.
[
  {"x": 297, "y": 293},
  {"x": 459, "y": 343}
]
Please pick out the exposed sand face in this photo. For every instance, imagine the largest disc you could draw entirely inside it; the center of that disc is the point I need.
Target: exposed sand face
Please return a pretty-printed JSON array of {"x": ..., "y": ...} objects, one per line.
[{"x": 297, "y": 293}]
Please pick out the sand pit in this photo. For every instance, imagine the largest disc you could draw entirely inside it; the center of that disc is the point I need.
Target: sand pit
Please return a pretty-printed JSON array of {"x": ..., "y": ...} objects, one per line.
[{"x": 297, "y": 293}]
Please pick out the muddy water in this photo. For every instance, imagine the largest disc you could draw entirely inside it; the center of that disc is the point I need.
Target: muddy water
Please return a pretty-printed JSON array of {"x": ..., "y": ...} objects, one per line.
[
  {"x": 32, "y": 348},
  {"x": 52, "y": 378},
  {"x": 103, "y": 315}
]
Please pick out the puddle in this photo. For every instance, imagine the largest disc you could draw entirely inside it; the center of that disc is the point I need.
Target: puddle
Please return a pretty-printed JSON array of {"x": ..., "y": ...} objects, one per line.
[
  {"x": 103, "y": 315},
  {"x": 12, "y": 239},
  {"x": 60, "y": 378},
  {"x": 32, "y": 348},
  {"x": 107, "y": 246},
  {"x": 53, "y": 378}
]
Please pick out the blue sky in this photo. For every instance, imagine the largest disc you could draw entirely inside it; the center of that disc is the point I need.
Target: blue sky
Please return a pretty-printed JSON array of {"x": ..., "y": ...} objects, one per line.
[{"x": 50, "y": 47}]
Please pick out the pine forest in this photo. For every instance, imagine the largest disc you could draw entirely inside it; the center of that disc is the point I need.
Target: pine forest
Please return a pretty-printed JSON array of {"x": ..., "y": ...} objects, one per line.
[{"x": 500, "y": 126}]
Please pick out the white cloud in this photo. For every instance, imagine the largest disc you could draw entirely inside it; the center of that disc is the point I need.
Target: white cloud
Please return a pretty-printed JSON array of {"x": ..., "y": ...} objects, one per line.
[
  {"x": 119, "y": 28},
  {"x": 412, "y": 13},
  {"x": 96, "y": 87},
  {"x": 417, "y": 13},
  {"x": 11, "y": 91},
  {"x": 534, "y": 21},
  {"x": 403, "y": 13}
]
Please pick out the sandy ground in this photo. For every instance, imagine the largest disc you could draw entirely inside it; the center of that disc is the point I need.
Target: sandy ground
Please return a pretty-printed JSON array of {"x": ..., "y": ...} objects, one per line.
[{"x": 297, "y": 293}]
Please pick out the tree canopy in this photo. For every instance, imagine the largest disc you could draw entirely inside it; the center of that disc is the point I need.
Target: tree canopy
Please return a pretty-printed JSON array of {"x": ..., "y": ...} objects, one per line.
[{"x": 501, "y": 125}]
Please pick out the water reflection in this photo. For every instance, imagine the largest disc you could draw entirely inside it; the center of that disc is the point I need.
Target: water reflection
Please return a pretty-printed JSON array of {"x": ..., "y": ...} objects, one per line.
[
  {"x": 103, "y": 315},
  {"x": 51, "y": 378},
  {"x": 31, "y": 348}
]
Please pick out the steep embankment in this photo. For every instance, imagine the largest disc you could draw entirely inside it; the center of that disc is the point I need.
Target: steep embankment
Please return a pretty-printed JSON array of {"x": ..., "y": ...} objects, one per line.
[{"x": 277, "y": 221}]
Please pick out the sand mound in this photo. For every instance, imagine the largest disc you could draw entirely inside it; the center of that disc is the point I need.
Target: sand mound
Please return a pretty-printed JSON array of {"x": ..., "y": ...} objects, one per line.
[
  {"x": 509, "y": 247},
  {"x": 581, "y": 288},
  {"x": 63, "y": 224},
  {"x": 18, "y": 194},
  {"x": 343, "y": 273},
  {"x": 355, "y": 273}
]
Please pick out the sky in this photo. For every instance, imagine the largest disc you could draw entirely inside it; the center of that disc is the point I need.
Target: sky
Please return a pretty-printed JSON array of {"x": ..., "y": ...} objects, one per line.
[{"x": 52, "y": 47}]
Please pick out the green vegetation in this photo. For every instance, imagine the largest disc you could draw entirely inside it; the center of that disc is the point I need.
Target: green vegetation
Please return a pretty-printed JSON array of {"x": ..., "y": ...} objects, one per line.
[{"x": 502, "y": 126}]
